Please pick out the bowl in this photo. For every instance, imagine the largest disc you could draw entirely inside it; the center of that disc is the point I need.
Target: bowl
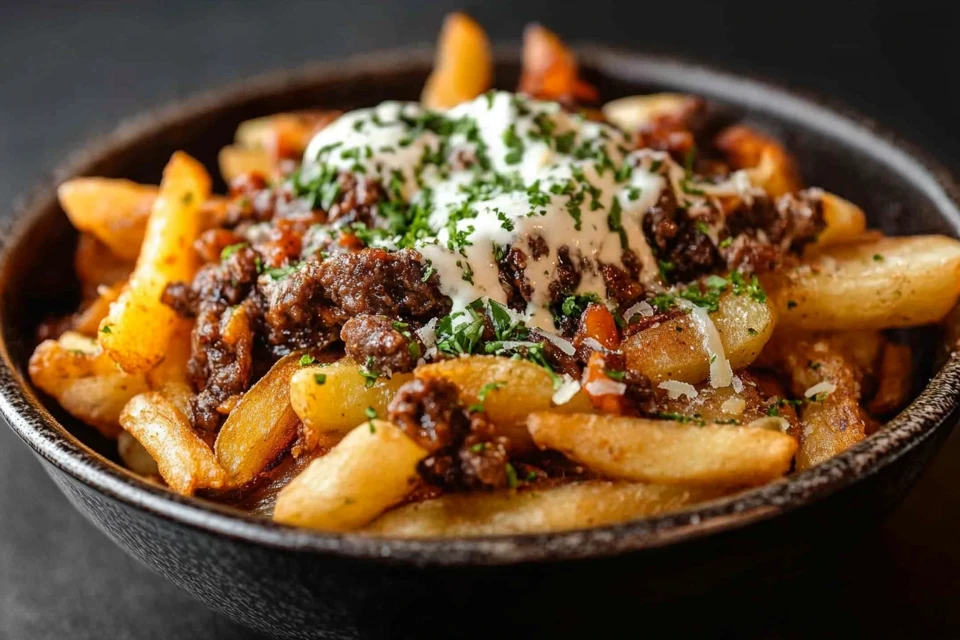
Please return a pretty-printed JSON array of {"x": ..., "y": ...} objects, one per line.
[{"x": 296, "y": 583}]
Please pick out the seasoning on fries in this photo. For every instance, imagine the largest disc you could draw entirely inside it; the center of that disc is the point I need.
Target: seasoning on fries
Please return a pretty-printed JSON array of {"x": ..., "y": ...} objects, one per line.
[{"x": 488, "y": 312}]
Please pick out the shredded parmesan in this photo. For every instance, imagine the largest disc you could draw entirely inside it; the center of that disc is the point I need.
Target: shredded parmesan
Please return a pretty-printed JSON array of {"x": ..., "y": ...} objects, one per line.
[
  {"x": 772, "y": 423},
  {"x": 593, "y": 344},
  {"x": 824, "y": 386},
  {"x": 675, "y": 389},
  {"x": 737, "y": 384},
  {"x": 721, "y": 374},
  {"x": 734, "y": 406},
  {"x": 561, "y": 344},
  {"x": 605, "y": 388},
  {"x": 568, "y": 388},
  {"x": 643, "y": 308}
]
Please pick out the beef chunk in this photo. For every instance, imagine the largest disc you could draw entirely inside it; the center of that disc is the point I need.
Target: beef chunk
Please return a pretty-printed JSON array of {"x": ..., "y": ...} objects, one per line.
[
  {"x": 381, "y": 344},
  {"x": 465, "y": 452}
]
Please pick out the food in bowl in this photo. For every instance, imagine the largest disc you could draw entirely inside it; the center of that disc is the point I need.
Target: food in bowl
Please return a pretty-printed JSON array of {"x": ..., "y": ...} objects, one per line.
[{"x": 487, "y": 312}]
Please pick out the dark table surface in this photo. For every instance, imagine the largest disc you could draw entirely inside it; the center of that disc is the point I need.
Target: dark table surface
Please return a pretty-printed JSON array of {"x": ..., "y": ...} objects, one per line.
[{"x": 71, "y": 70}]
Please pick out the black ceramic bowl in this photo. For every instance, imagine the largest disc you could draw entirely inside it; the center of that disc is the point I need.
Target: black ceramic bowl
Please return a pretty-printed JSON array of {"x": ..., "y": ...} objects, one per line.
[{"x": 298, "y": 584}]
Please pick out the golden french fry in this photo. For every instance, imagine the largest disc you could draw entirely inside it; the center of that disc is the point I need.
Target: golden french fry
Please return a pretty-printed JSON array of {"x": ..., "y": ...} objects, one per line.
[
  {"x": 526, "y": 387},
  {"x": 550, "y": 68},
  {"x": 723, "y": 405},
  {"x": 261, "y": 426},
  {"x": 845, "y": 222},
  {"x": 135, "y": 457},
  {"x": 634, "y": 113},
  {"x": 137, "y": 330},
  {"x": 895, "y": 379},
  {"x": 236, "y": 161},
  {"x": 283, "y": 135},
  {"x": 674, "y": 349},
  {"x": 592, "y": 503},
  {"x": 831, "y": 419},
  {"x": 879, "y": 284},
  {"x": 664, "y": 451},
  {"x": 184, "y": 461},
  {"x": 331, "y": 400},
  {"x": 84, "y": 380},
  {"x": 88, "y": 320},
  {"x": 464, "y": 65},
  {"x": 115, "y": 211},
  {"x": 769, "y": 165},
  {"x": 373, "y": 468}
]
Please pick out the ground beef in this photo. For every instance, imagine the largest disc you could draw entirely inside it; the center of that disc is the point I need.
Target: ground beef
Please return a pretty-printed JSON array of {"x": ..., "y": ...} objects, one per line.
[
  {"x": 381, "y": 344},
  {"x": 465, "y": 452},
  {"x": 357, "y": 201},
  {"x": 514, "y": 281},
  {"x": 764, "y": 229},
  {"x": 378, "y": 282},
  {"x": 684, "y": 251},
  {"x": 222, "y": 340}
]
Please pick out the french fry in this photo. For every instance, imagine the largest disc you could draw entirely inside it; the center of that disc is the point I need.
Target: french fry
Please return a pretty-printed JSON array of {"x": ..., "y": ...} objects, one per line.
[
  {"x": 260, "y": 427},
  {"x": 674, "y": 349},
  {"x": 666, "y": 452},
  {"x": 592, "y": 503},
  {"x": 283, "y": 135},
  {"x": 84, "y": 380},
  {"x": 235, "y": 161},
  {"x": 831, "y": 419},
  {"x": 634, "y": 113},
  {"x": 135, "y": 457},
  {"x": 464, "y": 65},
  {"x": 894, "y": 380},
  {"x": 845, "y": 222},
  {"x": 184, "y": 461},
  {"x": 528, "y": 387},
  {"x": 879, "y": 284},
  {"x": 550, "y": 68},
  {"x": 768, "y": 164},
  {"x": 137, "y": 330},
  {"x": 373, "y": 468},
  {"x": 88, "y": 320},
  {"x": 719, "y": 405},
  {"x": 331, "y": 400},
  {"x": 115, "y": 211}
]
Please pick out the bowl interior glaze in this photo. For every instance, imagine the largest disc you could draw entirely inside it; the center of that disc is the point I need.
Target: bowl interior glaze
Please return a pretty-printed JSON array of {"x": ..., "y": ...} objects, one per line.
[{"x": 902, "y": 192}]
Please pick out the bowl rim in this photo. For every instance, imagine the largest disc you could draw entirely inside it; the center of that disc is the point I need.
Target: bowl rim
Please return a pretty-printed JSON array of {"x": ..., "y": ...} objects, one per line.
[{"x": 935, "y": 407}]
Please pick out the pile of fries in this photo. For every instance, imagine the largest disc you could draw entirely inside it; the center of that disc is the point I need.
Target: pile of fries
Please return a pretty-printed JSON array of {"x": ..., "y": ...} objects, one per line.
[{"x": 817, "y": 372}]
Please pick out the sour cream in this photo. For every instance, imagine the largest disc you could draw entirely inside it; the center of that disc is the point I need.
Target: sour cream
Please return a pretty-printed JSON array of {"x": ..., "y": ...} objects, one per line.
[{"x": 499, "y": 172}]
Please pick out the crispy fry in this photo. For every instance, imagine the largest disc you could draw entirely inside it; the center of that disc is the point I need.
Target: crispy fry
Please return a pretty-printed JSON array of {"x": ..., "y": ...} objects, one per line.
[
  {"x": 235, "y": 161},
  {"x": 137, "y": 330},
  {"x": 879, "y": 284},
  {"x": 464, "y": 65},
  {"x": 184, "y": 461},
  {"x": 261, "y": 426},
  {"x": 331, "y": 400},
  {"x": 664, "y": 451},
  {"x": 112, "y": 210},
  {"x": 373, "y": 468},
  {"x": 550, "y": 68},
  {"x": 528, "y": 388},
  {"x": 574, "y": 506},
  {"x": 768, "y": 164},
  {"x": 135, "y": 457},
  {"x": 84, "y": 380},
  {"x": 170, "y": 376},
  {"x": 674, "y": 349},
  {"x": 284, "y": 135},
  {"x": 831, "y": 419},
  {"x": 634, "y": 113},
  {"x": 846, "y": 222},
  {"x": 893, "y": 388},
  {"x": 88, "y": 320}
]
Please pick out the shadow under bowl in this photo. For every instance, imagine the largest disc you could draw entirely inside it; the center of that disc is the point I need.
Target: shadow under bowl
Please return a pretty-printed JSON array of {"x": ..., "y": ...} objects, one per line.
[{"x": 304, "y": 584}]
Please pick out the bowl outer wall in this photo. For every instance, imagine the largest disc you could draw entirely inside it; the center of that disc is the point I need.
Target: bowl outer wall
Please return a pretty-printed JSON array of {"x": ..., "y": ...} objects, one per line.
[{"x": 933, "y": 411}]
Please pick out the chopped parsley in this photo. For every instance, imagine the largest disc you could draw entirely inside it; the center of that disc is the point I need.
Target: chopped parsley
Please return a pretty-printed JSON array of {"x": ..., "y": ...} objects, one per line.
[
  {"x": 231, "y": 249},
  {"x": 574, "y": 306},
  {"x": 306, "y": 360},
  {"x": 369, "y": 374},
  {"x": 319, "y": 378},
  {"x": 512, "y": 481},
  {"x": 107, "y": 328},
  {"x": 484, "y": 392}
]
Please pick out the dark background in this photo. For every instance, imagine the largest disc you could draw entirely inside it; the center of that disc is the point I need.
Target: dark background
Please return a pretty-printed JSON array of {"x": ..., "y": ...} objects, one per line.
[{"x": 72, "y": 70}]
